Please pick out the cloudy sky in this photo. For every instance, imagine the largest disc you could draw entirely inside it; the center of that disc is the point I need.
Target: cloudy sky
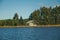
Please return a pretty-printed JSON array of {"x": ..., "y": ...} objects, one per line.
[{"x": 23, "y": 7}]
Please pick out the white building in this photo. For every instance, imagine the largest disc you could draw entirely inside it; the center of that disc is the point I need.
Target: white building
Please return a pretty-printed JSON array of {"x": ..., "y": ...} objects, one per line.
[{"x": 31, "y": 23}]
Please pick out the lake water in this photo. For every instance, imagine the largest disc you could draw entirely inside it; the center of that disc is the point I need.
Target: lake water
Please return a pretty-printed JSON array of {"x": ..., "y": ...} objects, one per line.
[{"x": 30, "y": 33}]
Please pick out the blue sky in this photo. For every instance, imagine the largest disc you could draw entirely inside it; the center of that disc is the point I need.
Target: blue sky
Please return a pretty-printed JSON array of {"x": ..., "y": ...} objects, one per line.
[{"x": 23, "y": 7}]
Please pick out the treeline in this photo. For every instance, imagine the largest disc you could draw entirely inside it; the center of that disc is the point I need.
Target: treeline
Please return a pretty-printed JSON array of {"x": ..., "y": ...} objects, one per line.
[
  {"x": 16, "y": 21},
  {"x": 42, "y": 16},
  {"x": 46, "y": 16}
]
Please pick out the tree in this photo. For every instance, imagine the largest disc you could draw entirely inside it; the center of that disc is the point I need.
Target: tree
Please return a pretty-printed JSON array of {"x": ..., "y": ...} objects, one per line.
[
  {"x": 15, "y": 16},
  {"x": 57, "y": 14},
  {"x": 46, "y": 15},
  {"x": 21, "y": 21},
  {"x": 35, "y": 16},
  {"x": 15, "y": 19}
]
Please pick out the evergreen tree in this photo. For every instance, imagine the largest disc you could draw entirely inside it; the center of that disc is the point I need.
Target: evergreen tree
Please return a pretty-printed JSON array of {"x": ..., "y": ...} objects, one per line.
[
  {"x": 46, "y": 15},
  {"x": 35, "y": 16},
  {"x": 15, "y": 19},
  {"x": 15, "y": 16},
  {"x": 21, "y": 21}
]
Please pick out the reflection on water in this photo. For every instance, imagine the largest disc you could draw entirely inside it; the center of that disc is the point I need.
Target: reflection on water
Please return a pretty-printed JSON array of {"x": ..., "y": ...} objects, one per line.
[{"x": 29, "y": 33}]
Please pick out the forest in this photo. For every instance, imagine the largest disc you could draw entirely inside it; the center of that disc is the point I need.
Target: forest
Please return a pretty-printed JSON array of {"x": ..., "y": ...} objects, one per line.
[{"x": 41, "y": 16}]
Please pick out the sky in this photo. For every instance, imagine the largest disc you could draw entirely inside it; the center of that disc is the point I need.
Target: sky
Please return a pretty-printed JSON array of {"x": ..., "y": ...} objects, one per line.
[{"x": 23, "y": 7}]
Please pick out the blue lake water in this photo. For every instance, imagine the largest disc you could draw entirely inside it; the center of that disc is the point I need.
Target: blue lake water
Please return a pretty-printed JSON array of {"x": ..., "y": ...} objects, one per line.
[{"x": 30, "y": 33}]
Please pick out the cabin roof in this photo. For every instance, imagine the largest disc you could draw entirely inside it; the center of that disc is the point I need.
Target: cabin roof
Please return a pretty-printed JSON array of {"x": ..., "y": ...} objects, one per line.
[{"x": 31, "y": 21}]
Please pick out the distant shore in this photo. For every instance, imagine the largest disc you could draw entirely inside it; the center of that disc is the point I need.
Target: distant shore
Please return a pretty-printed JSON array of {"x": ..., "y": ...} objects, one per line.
[{"x": 29, "y": 26}]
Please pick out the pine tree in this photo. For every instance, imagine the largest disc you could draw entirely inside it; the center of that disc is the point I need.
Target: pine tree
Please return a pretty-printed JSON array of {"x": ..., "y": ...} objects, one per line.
[{"x": 15, "y": 16}]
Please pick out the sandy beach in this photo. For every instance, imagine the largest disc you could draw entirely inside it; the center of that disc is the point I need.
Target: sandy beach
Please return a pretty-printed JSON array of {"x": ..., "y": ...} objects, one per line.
[{"x": 29, "y": 26}]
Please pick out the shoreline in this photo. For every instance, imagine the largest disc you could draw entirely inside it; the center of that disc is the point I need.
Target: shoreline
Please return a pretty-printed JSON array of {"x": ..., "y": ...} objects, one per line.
[{"x": 43, "y": 26}]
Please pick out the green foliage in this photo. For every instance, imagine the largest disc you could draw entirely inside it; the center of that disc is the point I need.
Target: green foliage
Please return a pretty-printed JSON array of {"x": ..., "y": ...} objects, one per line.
[
  {"x": 35, "y": 16},
  {"x": 46, "y": 15},
  {"x": 15, "y": 16},
  {"x": 12, "y": 22},
  {"x": 42, "y": 16},
  {"x": 21, "y": 21}
]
